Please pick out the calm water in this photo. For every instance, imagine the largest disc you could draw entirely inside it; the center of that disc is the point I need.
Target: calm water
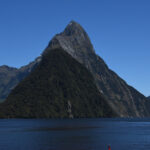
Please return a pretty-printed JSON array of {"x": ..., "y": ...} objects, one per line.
[{"x": 78, "y": 134}]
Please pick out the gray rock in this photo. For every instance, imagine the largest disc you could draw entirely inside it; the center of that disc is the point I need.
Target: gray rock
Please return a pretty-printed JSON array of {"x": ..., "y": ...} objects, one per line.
[{"x": 124, "y": 99}]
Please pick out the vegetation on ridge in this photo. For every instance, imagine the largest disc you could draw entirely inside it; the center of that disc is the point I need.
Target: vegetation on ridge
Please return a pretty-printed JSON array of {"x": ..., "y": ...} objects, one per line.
[{"x": 59, "y": 87}]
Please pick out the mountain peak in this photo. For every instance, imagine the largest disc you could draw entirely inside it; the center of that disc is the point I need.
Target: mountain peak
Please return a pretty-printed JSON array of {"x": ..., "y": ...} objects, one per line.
[
  {"x": 74, "y": 28},
  {"x": 73, "y": 23},
  {"x": 73, "y": 40}
]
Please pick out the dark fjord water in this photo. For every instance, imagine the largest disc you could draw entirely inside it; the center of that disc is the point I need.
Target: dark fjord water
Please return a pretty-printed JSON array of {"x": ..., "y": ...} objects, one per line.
[{"x": 77, "y": 134}]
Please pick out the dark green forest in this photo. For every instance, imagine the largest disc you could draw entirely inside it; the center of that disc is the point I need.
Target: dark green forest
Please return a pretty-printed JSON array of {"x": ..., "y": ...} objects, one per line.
[{"x": 59, "y": 87}]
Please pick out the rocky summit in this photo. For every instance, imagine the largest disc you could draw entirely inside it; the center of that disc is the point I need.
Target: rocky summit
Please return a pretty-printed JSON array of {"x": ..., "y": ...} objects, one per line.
[
  {"x": 114, "y": 93},
  {"x": 124, "y": 99}
]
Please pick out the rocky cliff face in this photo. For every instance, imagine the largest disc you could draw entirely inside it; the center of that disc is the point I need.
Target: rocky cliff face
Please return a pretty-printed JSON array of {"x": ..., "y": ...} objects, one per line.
[{"x": 124, "y": 99}]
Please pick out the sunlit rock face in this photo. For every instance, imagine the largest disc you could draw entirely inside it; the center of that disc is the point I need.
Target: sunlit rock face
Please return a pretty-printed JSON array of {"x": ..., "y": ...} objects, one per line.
[{"x": 124, "y": 99}]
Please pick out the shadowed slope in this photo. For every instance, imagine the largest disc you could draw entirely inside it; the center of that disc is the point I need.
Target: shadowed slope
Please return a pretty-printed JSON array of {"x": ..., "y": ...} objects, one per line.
[{"x": 59, "y": 87}]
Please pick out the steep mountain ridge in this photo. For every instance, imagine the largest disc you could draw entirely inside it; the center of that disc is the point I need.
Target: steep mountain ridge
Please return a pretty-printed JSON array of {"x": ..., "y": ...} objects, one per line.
[
  {"x": 125, "y": 100},
  {"x": 122, "y": 98},
  {"x": 59, "y": 87}
]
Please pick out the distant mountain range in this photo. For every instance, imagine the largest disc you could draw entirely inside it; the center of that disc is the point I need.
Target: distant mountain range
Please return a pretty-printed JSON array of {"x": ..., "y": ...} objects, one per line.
[
  {"x": 68, "y": 80},
  {"x": 10, "y": 77}
]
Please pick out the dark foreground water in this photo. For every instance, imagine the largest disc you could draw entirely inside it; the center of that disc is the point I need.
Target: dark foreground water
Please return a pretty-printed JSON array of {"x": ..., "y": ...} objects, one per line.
[{"x": 78, "y": 134}]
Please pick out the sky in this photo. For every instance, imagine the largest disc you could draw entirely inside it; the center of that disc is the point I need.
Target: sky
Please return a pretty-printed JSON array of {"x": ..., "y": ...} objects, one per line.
[{"x": 119, "y": 31}]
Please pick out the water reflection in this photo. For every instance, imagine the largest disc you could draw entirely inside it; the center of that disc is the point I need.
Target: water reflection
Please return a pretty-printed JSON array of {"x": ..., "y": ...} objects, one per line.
[{"x": 78, "y": 134}]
